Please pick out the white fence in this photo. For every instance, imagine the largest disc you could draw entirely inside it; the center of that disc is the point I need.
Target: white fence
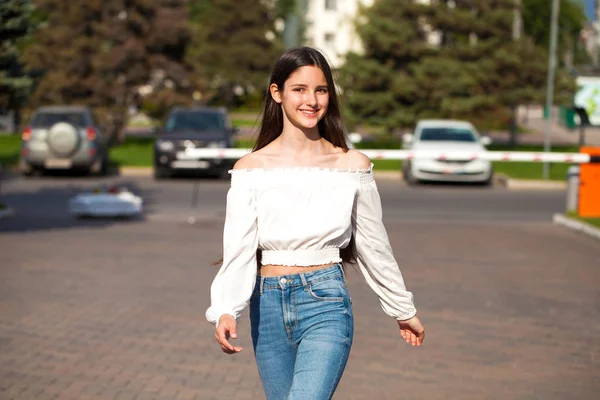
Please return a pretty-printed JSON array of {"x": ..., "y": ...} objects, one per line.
[{"x": 579, "y": 158}]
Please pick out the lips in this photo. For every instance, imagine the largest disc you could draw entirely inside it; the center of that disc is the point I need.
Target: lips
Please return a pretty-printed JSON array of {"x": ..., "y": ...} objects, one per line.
[{"x": 309, "y": 113}]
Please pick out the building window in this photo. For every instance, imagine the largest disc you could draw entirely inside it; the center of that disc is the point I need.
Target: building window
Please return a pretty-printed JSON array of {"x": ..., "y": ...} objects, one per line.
[
  {"x": 330, "y": 4},
  {"x": 330, "y": 40}
]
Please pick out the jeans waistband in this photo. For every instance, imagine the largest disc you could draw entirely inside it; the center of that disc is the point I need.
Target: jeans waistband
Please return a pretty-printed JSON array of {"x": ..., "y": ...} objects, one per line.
[{"x": 300, "y": 279}]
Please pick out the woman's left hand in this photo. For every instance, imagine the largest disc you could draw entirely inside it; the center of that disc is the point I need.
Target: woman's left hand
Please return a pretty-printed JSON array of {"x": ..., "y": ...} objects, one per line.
[{"x": 412, "y": 331}]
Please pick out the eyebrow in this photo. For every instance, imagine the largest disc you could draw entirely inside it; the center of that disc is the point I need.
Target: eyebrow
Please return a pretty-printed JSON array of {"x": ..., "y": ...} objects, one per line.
[{"x": 304, "y": 85}]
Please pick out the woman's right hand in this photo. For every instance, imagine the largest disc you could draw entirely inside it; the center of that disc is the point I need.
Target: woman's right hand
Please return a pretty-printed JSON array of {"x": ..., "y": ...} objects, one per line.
[{"x": 226, "y": 328}]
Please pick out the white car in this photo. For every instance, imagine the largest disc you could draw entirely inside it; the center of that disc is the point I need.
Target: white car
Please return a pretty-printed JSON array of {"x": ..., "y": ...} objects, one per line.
[{"x": 449, "y": 150}]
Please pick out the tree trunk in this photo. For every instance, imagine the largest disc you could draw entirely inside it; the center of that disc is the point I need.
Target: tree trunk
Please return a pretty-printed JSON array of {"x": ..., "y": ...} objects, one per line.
[{"x": 513, "y": 127}]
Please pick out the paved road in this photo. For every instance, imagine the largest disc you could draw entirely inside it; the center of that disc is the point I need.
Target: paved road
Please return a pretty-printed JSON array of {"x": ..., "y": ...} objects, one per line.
[{"x": 114, "y": 309}]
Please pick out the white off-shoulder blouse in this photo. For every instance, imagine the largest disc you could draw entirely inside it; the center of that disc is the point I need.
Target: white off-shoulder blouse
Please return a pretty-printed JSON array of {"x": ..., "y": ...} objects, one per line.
[{"x": 303, "y": 216}]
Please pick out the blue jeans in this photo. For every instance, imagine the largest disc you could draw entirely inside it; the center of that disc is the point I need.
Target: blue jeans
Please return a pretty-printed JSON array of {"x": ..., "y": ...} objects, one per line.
[{"x": 302, "y": 331}]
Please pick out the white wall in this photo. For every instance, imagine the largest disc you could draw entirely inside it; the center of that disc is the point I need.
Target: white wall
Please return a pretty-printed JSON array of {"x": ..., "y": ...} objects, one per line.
[{"x": 332, "y": 31}]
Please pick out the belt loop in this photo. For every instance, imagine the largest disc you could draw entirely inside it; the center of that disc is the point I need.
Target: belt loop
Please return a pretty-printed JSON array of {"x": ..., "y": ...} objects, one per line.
[
  {"x": 262, "y": 280},
  {"x": 304, "y": 283}
]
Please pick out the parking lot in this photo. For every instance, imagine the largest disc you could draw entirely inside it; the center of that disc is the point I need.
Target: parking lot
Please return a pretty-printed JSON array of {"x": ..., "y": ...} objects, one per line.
[{"x": 114, "y": 309}]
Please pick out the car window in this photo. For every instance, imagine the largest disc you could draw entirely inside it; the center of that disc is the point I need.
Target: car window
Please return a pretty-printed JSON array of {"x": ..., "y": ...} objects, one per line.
[
  {"x": 447, "y": 134},
  {"x": 201, "y": 121},
  {"x": 46, "y": 120}
]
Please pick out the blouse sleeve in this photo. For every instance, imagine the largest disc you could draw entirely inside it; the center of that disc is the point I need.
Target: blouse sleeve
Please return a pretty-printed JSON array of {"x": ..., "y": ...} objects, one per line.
[
  {"x": 374, "y": 253},
  {"x": 234, "y": 283}
]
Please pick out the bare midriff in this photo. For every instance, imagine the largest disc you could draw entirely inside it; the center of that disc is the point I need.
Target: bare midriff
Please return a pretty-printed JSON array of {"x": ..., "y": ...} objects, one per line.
[{"x": 278, "y": 270}]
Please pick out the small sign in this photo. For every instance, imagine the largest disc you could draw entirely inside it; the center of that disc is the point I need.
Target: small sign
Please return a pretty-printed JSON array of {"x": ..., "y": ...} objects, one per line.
[{"x": 58, "y": 163}]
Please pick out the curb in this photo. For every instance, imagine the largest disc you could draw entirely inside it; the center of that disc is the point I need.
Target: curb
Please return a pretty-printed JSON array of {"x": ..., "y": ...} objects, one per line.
[
  {"x": 560, "y": 219},
  {"x": 7, "y": 213},
  {"x": 528, "y": 184},
  {"x": 135, "y": 171}
]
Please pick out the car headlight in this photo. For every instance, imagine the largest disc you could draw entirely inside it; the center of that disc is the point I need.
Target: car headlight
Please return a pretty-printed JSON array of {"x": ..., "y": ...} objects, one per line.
[
  {"x": 217, "y": 145},
  {"x": 165, "y": 145}
]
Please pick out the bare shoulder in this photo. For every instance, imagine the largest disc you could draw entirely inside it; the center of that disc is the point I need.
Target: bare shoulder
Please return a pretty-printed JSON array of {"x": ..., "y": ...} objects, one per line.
[
  {"x": 354, "y": 159},
  {"x": 249, "y": 161}
]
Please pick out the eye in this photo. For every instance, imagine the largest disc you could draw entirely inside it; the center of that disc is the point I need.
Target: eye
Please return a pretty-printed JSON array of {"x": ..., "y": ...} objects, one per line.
[
  {"x": 322, "y": 90},
  {"x": 298, "y": 89}
]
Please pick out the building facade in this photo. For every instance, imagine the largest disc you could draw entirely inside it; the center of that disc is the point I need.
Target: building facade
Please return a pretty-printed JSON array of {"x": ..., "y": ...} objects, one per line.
[{"x": 329, "y": 26}]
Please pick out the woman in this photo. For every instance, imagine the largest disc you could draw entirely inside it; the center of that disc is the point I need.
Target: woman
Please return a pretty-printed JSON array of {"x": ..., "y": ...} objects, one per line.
[{"x": 300, "y": 206}]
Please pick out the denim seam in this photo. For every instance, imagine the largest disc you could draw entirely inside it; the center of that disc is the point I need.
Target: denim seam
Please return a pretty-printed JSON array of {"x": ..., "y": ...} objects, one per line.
[
  {"x": 287, "y": 331},
  {"x": 347, "y": 345}
]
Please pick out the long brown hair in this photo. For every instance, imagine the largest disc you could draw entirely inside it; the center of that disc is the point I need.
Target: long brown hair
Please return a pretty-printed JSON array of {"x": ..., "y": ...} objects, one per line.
[{"x": 331, "y": 127}]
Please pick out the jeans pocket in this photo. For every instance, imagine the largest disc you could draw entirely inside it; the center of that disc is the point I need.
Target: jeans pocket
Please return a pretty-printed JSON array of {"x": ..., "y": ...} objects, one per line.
[{"x": 328, "y": 290}]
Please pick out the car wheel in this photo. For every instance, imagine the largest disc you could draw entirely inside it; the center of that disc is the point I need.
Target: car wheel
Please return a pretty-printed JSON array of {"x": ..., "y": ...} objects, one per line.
[
  {"x": 63, "y": 139},
  {"x": 489, "y": 181},
  {"x": 224, "y": 174},
  {"x": 27, "y": 169},
  {"x": 161, "y": 172},
  {"x": 99, "y": 167},
  {"x": 409, "y": 178}
]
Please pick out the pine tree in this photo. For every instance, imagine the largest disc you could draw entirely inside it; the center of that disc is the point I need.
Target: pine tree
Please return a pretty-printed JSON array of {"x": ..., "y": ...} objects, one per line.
[
  {"x": 234, "y": 47},
  {"x": 379, "y": 85},
  {"x": 571, "y": 20},
  {"x": 15, "y": 26},
  {"x": 99, "y": 53},
  {"x": 445, "y": 60}
]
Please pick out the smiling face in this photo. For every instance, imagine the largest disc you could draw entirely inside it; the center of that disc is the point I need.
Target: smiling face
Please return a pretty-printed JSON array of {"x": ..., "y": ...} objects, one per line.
[{"x": 304, "y": 98}]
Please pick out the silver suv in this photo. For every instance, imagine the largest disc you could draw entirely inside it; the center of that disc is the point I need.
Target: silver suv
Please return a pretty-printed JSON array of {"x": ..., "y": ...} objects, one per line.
[{"x": 63, "y": 138}]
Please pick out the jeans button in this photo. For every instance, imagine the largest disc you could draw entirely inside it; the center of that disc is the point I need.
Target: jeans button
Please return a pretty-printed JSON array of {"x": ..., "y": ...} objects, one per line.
[{"x": 283, "y": 281}]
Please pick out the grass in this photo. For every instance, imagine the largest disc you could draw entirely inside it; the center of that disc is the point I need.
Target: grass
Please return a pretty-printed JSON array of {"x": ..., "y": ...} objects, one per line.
[
  {"x": 139, "y": 152},
  {"x": 592, "y": 221},
  {"x": 387, "y": 165},
  {"x": 135, "y": 152},
  {"x": 10, "y": 146},
  {"x": 531, "y": 170},
  {"x": 245, "y": 123}
]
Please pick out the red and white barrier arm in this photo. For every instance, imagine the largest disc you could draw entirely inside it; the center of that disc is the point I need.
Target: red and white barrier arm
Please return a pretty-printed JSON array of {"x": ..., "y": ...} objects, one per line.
[
  {"x": 431, "y": 154},
  {"x": 484, "y": 155}
]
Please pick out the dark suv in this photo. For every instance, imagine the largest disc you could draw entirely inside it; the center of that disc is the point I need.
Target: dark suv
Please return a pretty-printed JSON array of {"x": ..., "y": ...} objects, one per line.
[
  {"x": 63, "y": 137},
  {"x": 193, "y": 128}
]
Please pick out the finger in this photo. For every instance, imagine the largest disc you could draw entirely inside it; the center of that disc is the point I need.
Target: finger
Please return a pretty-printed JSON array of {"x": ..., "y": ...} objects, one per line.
[
  {"x": 226, "y": 350},
  {"x": 222, "y": 338},
  {"x": 233, "y": 350}
]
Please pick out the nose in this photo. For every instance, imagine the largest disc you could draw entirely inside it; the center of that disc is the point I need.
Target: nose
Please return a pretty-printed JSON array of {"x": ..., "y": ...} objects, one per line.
[{"x": 311, "y": 98}]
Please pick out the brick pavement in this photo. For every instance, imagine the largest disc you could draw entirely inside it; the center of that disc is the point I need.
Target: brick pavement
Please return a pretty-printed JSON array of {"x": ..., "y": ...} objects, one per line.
[{"x": 115, "y": 312}]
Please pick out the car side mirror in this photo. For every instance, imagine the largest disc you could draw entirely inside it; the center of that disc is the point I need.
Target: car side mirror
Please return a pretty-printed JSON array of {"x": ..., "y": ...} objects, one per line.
[
  {"x": 485, "y": 140},
  {"x": 407, "y": 139}
]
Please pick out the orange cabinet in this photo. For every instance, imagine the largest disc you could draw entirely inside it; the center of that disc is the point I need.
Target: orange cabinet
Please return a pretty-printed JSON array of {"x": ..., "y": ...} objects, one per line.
[{"x": 589, "y": 185}]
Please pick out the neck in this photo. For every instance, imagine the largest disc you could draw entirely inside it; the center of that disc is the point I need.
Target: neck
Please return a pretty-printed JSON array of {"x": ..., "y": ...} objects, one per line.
[{"x": 301, "y": 141}]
